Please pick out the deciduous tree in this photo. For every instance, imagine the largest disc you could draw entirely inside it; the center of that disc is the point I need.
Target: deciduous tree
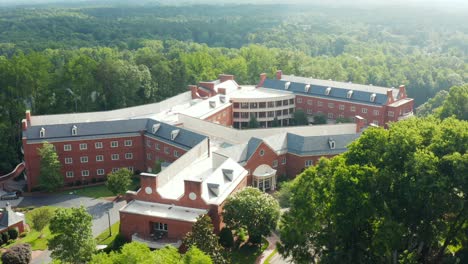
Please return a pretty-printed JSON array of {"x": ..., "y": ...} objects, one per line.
[
  {"x": 119, "y": 181},
  {"x": 50, "y": 177}
]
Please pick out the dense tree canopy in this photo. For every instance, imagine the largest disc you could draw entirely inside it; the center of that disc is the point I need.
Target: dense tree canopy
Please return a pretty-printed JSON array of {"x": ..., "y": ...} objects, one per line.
[
  {"x": 396, "y": 195},
  {"x": 119, "y": 182},
  {"x": 50, "y": 177}
]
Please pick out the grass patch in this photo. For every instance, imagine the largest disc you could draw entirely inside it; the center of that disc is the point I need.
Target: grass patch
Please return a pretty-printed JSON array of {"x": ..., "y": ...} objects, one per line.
[
  {"x": 267, "y": 260},
  {"x": 100, "y": 191},
  {"x": 105, "y": 239},
  {"x": 34, "y": 237},
  {"x": 247, "y": 254}
]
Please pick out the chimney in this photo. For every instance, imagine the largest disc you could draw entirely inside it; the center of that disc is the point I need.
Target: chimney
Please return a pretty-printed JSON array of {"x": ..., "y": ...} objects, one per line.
[
  {"x": 222, "y": 91},
  {"x": 279, "y": 73},
  {"x": 225, "y": 77},
  {"x": 402, "y": 92},
  {"x": 263, "y": 77},
  {"x": 28, "y": 115},
  {"x": 24, "y": 124},
  {"x": 148, "y": 181},
  {"x": 193, "y": 89},
  {"x": 390, "y": 96},
  {"x": 360, "y": 123},
  {"x": 192, "y": 187}
]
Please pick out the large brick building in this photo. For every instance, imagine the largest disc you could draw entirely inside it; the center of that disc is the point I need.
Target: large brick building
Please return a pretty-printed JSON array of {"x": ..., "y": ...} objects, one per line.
[{"x": 199, "y": 135}]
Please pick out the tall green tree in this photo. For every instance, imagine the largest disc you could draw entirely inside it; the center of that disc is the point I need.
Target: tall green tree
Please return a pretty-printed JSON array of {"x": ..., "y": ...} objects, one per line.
[
  {"x": 253, "y": 210},
  {"x": 203, "y": 237},
  {"x": 300, "y": 118},
  {"x": 118, "y": 182},
  {"x": 253, "y": 122},
  {"x": 72, "y": 240},
  {"x": 50, "y": 178},
  {"x": 41, "y": 217},
  {"x": 456, "y": 103}
]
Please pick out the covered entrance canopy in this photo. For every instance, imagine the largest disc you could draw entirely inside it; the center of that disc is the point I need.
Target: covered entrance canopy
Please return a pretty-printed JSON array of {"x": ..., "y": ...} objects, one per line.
[{"x": 264, "y": 178}]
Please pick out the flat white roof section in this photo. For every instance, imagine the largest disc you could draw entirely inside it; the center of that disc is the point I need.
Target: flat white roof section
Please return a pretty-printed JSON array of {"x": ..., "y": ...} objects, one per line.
[
  {"x": 167, "y": 211},
  {"x": 250, "y": 92},
  {"x": 202, "y": 109}
]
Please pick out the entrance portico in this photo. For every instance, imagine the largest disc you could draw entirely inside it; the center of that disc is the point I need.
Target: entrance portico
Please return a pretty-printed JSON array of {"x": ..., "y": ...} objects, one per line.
[{"x": 264, "y": 178}]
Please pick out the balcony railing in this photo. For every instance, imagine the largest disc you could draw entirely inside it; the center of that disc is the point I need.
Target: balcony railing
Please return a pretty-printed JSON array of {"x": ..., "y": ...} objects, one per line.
[{"x": 159, "y": 243}]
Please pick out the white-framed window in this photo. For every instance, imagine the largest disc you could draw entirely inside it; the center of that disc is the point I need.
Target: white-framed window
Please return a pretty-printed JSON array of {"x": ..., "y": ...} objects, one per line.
[
  {"x": 160, "y": 226},
  {"x": 67, "y": 147},
  {"x": 157, "y": 147},
  {"x": 100, "y": 172},
  {"x": 283, "y": 160},
  {"x": 364, "y": 110},
  {"x": 114, "y": 144},
  {"x": 309, "y": 102},
  {"x": 341, "y": 107},
  {"x": 149, "y": 156},
  {"x": 115, "y": 157},
  {"x": 130, "y": 168},
  {"x": 84, "y": 159},
  {"x": 375, "y": 122},
  {"x": 166, "y": 150},
  {"x": 308, "y": 163},
  {"x": 299, "y": 100},
  {"x": 99, "y": 157},
  {"x": 85, "y": 173},
  {"x": 391, "y": 113},
  {"x": 115, "y": 169},
  {"x": 68, "y": 160},
  {"x": 353, "y": 109},
  {"x": 331, "y": 105},
  {"x": 98, "y": 145},
  {"x": 176, "y": 153},
  {"x": 128, "y": 142},
  {"x": 83, "y": 146},
  {"x": 261, "y": 152},
  {"x": 69, "y": 174},
  {"x": 128, "y": 155},
  {"x": 376, "y": 112},
  {"x": 319, "y": 103},
  {"x": 148, "y": 143},
  {"x": 275, "y": 163},
  {"x": 330, "y": 115}
]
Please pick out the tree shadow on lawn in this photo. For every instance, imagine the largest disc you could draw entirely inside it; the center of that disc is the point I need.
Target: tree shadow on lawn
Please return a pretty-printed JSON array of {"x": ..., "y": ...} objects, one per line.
[{"x": 100, "y": 209}]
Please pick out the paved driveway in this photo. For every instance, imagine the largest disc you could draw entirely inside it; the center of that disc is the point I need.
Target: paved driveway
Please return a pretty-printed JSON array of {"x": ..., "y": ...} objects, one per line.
[{"x": 98, "y": 208}]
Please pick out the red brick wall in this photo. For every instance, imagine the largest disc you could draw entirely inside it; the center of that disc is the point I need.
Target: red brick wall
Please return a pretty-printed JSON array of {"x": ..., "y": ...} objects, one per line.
[
  {"x": 223, "y": 117},
  {"x": 257, "y": 160},
  {"x": 159, "y": 154},
  {"x": 296, "y": 164},
  {"x": 18, "y": 225}
]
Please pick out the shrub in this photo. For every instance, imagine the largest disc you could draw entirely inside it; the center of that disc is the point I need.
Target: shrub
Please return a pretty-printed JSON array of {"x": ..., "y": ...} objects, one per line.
[
  {"x": 18, "y": 254},
  {"x": 93, "y": 180},
  {"x": 78, "y": 183},
  {"x": 5, "y": 237},
  {"x": 118, "y": 242},
  {"x": 13, "y": 233},
  {"x": 225, "y": 238},
  {"x": 23, "y": 234}
]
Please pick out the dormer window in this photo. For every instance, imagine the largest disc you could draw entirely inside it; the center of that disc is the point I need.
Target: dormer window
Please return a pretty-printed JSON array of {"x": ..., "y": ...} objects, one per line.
[
  {"x": 307, "y": 88},
  {"x": 214, "y": 188},
  {"x": 349, "y": 94},
  {"x": 327, "y": 91},
  {"x": 156, "y": 128},
  {"x": 212, "y": 104},
  {"x": 228, "y": 174},
  {"x": 372, "y": 97},
  {"x": 42, "y": 132},
  {"x": 174, "y": 133},
  {"x": 222, "y": 99},
  {"x": 286, "y": 85},
  {"x": 74, "y": 131},
  {"x": 331, "y": 143}
]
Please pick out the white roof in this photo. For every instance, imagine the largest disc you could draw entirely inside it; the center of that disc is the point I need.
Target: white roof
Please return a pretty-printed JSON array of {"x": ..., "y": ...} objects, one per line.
[
  {"x": 204, "y": 108},
  {"x": 252, "y": 92},
  {"x": 229, "y": 85},
  {"x": 166, "y": 211},
  {"x": 277, "y": 142},
  {"x": 336, "y": 84}
]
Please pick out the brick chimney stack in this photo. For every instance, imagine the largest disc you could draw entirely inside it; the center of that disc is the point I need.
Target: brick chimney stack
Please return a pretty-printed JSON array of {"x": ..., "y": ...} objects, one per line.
[
  {"x": 24, "y": 124},
  {"x": 390, "y": 96},
  {"x": 193, "y": 90},
  {"x": 263, "y": 77},
  {"x": 402, "y": 92},
  {"x": 360, "y": 124},
  {"x": 279, "y": 74},
  {"x": 28, "y": 116},
  {"x": 225, "y": 77}
]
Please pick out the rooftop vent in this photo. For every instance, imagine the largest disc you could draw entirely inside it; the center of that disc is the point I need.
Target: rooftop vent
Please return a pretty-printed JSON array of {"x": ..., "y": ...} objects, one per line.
[
  {"x": 286, "y": 85},
  {"x": 156, "y": 128},
  {"x": 228, "y": 174},
  {"x": 74, "y": 130},
  {"x": 331, "y": 143},
  {"x": 372, "y": 97},
  {"x": 222, "y": 99},
  {"x": 42, "y": 132},
  {"x": 214, "y": 188},
  {"x": 174, "y": 133},
  {"x": 349, "y": 94},
  {"x": 327, "y": 91},
  {"x": 212, "y": 104},
  {"x": 307, "y": 88}
]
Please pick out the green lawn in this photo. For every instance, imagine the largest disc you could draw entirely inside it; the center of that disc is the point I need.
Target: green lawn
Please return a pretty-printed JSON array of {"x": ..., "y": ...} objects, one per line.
[
  {"x": 247, "y": 254},
  {"x": 34, "y": 237},
  {"x": 99, "y": 191},
  {"x": 105, "y": 239}
]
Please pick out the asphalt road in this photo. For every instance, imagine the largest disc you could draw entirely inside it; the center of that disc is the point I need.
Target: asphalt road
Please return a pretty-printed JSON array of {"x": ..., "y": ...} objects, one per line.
[{"x": 98, "y": 208}]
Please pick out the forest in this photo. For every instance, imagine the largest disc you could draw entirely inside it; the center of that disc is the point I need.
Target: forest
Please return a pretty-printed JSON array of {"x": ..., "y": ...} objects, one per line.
[{"x": 59, "y": 59}]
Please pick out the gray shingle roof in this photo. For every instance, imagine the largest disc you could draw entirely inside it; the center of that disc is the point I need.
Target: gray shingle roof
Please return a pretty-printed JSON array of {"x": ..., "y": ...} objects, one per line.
[
  {"x": 252, "y": 145},
  {"x": 319, "y": 145},
  {"x": 9, "y": 217},
  {"x": 337, "y": 93},
  {"x": 185, "y": 138}
]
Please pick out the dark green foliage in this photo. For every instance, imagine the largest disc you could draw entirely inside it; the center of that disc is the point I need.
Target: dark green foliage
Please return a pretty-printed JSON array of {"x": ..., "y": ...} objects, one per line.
[
  {"x": 456, "y": 103},
  {"x": 17, "y": 254},
  {"x": 5, "y": 237},
  {"x": 320, "y": 119},
  {"x": 283, "y": 194},
  {"x": 300, "y": 118},
  {"x": 119, "y": 182},
  {"x": 13, "y": 233},
  {"x": 225, "y": 238},
  {"x": 50, "y": 177},
  {"x": 253, "y": 123}
]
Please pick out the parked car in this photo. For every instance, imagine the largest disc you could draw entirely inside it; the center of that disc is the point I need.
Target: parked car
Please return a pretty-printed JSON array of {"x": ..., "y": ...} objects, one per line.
[{"x": 9, "y": 196}]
